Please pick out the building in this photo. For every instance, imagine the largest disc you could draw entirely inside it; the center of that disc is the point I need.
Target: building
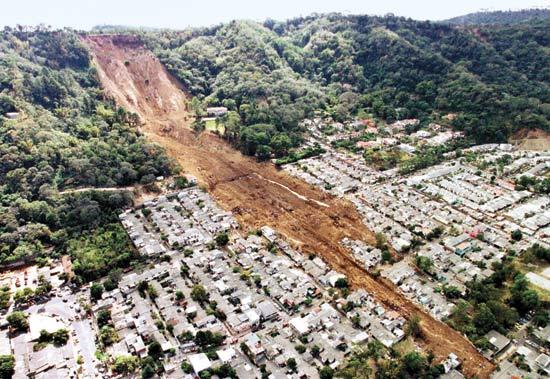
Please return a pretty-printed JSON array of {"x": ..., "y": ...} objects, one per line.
[
  {"x": 256, "y": 352},
  {"x": 200, "y": 362},
  {"x": 300, "y": 326},
  {"x": 267, "y": 310},
  {"x": 543, "y": 362},
  {"x": 12, "y": 115},
  {"x": 216, "y": 111},
  {"x": 498, "y": 342}
]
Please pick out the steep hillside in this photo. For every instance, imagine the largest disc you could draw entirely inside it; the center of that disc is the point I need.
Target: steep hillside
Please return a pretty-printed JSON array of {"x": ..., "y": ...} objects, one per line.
[
  {"x": 63, "y": 136},
  {"x": 258, "y": 194},
  {"x": 500, "y": 17},
  {"x": 140, "y": 94},
  {"x": 494, "y": 78}
]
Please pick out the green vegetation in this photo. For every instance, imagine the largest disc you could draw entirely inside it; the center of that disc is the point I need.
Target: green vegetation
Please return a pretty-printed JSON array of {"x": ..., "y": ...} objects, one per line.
[
  {"x": 26, "y": 296},
  {"x": 429, "y": 156},
  {"x": 108, "y": 335},
  {"x": 291, "y": 364},
  {"x": 538, "y": 185},
  {"x": 497, "y": 303},
  {"x": 451, "y": 292},
  {"x": 424, "y": 263},
  {"x": 125, "y": 364},
  {"x": 97, "y": 252},
  {"x": 154, "y": 349},
  {"x": 295, "y": 156},
  {"x": 18, "y": 321},
  {"x": 516, "y": 235},
  {"x": 206, "y": 340},
  {"x": 181, "y": 182},
  {"x": 536, "y": 252},
  {"x": 388, "y": 364},
  {"x": 66, "y": 136},
  {"x": 222, "y": 239},
  {"x": 96, "y": 291},
  {"x": 413, "y": 327},
  {"x": 271, "y": 75},
  {"x": 7, "y": 366},
  {"x": 326, "y": 372},
  {"x": 5, "y": 295},
  {"x": 199, "y": 294},
  {"x": 215, "y": 126},
  {"x": 57, "y": 338},
  {"x": 103, "y": 317},
  {"x": 501, "y": 17},
  {"x": 341, "y": 283}
]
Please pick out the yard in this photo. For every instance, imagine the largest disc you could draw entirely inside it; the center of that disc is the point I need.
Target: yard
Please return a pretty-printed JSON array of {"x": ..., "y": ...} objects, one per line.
[{"x": 211, "y": 125}]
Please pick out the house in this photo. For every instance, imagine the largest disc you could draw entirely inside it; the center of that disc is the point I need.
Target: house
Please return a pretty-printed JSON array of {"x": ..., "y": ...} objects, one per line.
[
  {"x": 40, "y": 321},
  {"x": 11, "y": 115},
  {"x": 216, "y": 111},
  {"x": 299, "y": 325},
  {"x": 135, "y": 344},
  {"x": 406, "y": 148},
  {"x": 451, "y": 363},
  {"x": 334, "y": 277},
  {"x": 199, "y": 362},
  {"x": 256, "y": 352},
  {"x": 543, "y": 362},
  {"x": 421, "y": 134},
  {"x": 227, "y": 355},
  {"x": 267, "y": 310},
  {"x": 498, "y": 342},
  {"x": 459, "y": 245}
]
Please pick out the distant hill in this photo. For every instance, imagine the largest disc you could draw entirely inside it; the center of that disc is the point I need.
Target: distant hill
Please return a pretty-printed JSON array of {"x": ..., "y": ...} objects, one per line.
[
  {"x": 500, "y": 17},
  {"x": 124, "y": 29},
  {"x": 494, "y": 80}
]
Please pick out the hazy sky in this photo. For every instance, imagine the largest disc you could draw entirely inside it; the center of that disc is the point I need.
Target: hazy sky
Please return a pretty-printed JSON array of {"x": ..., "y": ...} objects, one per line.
[{"x": 83, "y": 14}]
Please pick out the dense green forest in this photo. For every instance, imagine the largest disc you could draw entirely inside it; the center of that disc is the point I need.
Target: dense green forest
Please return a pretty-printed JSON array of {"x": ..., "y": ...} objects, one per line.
[
  {"x": 64, "y": 136},
  {"x": 494, "y": 80},
  {"x": 501, "y": 17}
]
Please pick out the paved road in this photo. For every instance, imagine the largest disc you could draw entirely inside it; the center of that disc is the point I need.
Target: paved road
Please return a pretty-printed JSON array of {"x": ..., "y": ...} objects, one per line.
[
  {"x": 86, "y": 341},
  {"x": 19, "y": 345},
  {"x": 99, "y": 189}
]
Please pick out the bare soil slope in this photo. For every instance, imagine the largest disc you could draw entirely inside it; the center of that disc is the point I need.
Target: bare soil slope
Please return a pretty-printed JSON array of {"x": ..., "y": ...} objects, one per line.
[
  {"x": 534, "y": 139},
  {"x": 257, "y": 193}
]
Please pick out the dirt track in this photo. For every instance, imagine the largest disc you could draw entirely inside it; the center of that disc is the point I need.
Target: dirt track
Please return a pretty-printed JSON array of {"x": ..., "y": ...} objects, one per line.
[{"x": 257, "y": 193}]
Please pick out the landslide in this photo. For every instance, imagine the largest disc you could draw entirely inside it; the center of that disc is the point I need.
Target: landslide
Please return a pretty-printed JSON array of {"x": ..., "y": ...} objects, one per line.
[{"x": 257, "y": 193}]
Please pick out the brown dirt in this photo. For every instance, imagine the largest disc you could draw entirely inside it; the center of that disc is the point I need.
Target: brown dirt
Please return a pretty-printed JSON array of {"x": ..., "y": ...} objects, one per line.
[
  {"x": 531, "y": 139},
  {"x": 246, "y": 187}
]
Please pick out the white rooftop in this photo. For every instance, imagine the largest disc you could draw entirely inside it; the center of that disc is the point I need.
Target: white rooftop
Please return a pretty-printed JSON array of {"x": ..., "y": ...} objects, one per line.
[{"x": 199, "y": 362}]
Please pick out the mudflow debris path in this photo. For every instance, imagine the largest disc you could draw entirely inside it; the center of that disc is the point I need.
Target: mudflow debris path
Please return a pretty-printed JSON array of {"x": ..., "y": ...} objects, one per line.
[{"x": 257, "y": 193}]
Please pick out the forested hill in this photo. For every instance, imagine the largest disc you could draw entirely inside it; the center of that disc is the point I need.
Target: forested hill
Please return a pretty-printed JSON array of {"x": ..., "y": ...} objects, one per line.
[
  {"x": 57, "y": 133},
  {"x": 501, "y": 17},
  {"x": 492, "y": 80}
]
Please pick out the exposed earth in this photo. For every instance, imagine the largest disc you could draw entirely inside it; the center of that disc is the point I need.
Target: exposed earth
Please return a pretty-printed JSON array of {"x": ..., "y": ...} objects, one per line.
[
  {"x": 534, "y": 139},
  {"x": 257, "y": 193}
]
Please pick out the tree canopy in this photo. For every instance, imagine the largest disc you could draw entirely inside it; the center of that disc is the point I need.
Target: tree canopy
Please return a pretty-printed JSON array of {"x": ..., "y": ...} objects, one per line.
[{"x": 65, "y": 136}]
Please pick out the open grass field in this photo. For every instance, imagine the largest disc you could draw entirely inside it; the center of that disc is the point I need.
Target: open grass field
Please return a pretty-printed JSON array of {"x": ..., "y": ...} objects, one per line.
[{"x": 211, "y": 125}]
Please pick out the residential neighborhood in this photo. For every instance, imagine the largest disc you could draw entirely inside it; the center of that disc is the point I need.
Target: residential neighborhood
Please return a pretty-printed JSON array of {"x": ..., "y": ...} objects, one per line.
[{"x": 214, "y": 298}]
